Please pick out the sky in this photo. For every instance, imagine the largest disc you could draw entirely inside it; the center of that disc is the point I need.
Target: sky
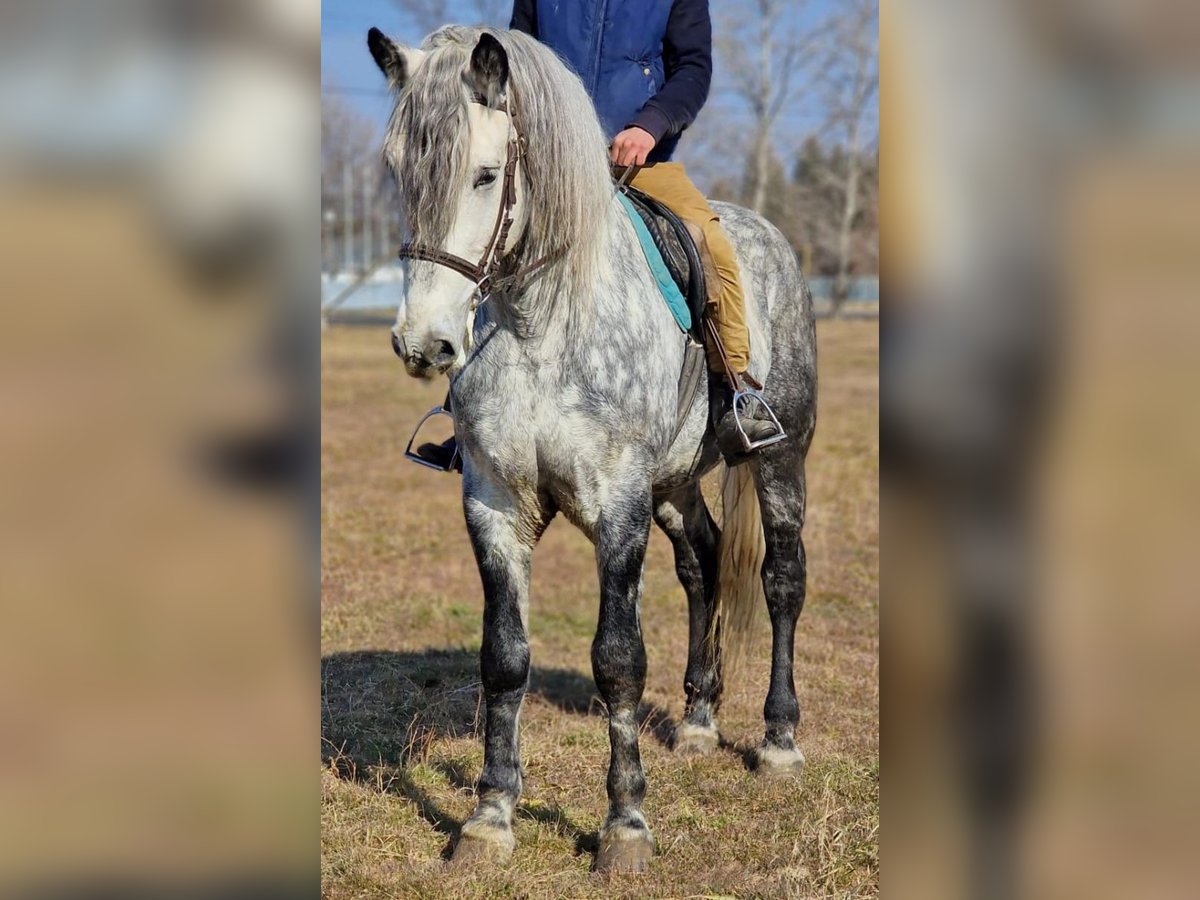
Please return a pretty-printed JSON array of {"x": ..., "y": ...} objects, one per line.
[
  {"x": 346, "y": 66},
  {"x": 349, "y": 73}
]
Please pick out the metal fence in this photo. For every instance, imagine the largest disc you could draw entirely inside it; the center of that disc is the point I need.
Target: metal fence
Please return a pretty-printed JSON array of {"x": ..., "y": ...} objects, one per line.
[
  {"x": 373, "y": 296},
  {"x": 359, "y": 227}
]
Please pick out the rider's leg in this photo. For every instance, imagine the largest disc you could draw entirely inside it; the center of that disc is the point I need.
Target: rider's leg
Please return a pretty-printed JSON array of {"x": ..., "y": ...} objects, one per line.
[{"x": 669, "y": 184}]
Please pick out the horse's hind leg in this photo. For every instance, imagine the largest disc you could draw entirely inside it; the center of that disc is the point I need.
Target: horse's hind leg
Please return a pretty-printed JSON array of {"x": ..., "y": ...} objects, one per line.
[
  {"x": 685, "y": 519},
  {"x": 619, "y": 666},
  {"x": 503, "y": 535},
  {"x": 781, "y": 496}
]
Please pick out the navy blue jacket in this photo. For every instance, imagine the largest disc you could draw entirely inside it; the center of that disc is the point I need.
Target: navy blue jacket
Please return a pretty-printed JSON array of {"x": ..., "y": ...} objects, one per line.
[{"x": 644, "y": 62}]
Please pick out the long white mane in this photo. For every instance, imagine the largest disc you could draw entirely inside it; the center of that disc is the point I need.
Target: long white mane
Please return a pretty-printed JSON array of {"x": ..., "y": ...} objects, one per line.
[{"x": 567, "y": 175}]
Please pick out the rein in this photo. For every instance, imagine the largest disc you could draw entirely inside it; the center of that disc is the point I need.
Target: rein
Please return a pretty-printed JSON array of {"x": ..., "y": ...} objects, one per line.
[{"x": 486, "y": 271}]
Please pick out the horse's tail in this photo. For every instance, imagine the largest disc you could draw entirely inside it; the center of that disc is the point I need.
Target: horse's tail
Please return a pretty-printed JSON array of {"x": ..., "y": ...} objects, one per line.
[{"x": 740, "y": 557}]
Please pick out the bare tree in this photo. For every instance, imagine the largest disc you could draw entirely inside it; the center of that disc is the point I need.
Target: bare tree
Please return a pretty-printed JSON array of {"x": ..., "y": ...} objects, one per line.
[
  {"x": 346, "y": 136},
  {"x": 712, "y": 148},
  {"x": 848, "y": 79},
  {"x": 759, "y": 54},
  {"x": 818, "y": 203}
]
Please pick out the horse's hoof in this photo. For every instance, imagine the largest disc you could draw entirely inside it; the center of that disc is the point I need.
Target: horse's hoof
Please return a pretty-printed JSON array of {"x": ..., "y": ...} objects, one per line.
[
  {"x": 482, "y": 844},
  {"x": 625, "y": 850},
  {"x": 770, "y": 761},
  {"x": 695, "y": 739}
]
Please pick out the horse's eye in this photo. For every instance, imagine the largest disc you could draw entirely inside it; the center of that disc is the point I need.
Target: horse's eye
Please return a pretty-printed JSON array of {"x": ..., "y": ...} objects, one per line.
[{"x": 487, "y": 176}]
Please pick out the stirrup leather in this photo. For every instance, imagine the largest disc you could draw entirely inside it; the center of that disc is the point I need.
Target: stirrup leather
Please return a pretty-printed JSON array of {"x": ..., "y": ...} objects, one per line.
[
  {"x": 740, "y": 395},
  {"x": 415, "y": 455}
]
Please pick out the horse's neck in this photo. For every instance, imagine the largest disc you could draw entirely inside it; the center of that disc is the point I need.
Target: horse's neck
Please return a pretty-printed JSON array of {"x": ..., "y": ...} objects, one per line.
[
  {"x": 585, "y": 319},
  {"x": 584, "y": 334}
]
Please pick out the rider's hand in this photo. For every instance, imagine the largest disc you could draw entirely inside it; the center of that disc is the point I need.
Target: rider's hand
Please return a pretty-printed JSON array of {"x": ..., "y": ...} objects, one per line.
[{"x": 631, "y": 147}]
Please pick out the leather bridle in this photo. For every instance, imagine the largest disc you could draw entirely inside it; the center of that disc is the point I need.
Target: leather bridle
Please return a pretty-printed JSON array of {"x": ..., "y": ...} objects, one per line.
[{"x": 486, "y": 272}]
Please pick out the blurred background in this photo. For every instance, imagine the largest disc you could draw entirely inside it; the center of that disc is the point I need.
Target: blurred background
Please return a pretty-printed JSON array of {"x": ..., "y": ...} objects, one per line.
[
  {"x": 1040, "y": 247},
  {"x": 790, "y": 130},
  {"x": 159, "y": 226}
]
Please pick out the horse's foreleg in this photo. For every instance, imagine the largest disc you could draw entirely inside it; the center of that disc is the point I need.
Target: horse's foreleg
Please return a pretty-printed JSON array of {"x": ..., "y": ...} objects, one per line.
[
  {"x": 684, "y": 518},
  {"x": 619, "y": 666},
  {"x": 503, "y": 539},
  {"x": 780, "y": 484}
]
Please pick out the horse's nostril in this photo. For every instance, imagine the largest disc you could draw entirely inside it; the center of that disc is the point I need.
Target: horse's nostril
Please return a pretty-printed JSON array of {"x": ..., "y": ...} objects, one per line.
[
  {"x": 397, "y": 345},
  {"x": 440, "y": 351}
]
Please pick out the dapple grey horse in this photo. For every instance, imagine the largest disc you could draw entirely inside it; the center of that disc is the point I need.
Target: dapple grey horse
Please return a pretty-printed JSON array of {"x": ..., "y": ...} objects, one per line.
[{"x": 564, "y": 384}]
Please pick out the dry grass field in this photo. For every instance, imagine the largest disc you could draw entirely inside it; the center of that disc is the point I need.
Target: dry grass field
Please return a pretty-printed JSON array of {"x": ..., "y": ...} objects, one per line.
[{"x": 400, "y": 629}]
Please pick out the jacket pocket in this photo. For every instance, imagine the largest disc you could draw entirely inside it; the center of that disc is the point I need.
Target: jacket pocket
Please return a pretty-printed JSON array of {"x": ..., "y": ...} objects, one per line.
[{"x": 652, "y": 75}]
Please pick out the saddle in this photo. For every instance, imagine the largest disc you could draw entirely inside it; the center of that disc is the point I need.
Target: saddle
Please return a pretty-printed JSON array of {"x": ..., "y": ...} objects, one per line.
[{"x": 685, "y": 252}]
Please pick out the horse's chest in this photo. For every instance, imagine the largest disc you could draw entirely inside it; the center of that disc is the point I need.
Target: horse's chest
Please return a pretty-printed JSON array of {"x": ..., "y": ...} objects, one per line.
[
  {"x": 530, "y": 441},
  {"x": 553, "y": 444}
]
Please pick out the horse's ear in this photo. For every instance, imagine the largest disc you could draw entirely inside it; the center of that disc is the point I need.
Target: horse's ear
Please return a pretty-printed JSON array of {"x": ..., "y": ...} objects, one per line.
[
  {"x": 396, "y": 62},
  {"x": 487, "y": 75}
]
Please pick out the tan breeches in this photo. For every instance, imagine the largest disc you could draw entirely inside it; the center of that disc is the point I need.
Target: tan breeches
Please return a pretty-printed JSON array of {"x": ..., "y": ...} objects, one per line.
[{"x": 669, "y": 184}]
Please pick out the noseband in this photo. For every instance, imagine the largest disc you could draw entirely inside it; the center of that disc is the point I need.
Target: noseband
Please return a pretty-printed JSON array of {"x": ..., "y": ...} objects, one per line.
[{"x": 485, "y": 272}]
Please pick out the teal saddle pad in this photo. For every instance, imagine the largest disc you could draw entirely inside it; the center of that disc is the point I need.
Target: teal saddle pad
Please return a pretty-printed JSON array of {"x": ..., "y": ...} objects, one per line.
[{"x": 662, "y": 276}]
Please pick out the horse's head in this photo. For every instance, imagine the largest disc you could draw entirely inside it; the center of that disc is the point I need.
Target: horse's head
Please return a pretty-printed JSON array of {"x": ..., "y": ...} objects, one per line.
[{"x": 447, "y": 145}]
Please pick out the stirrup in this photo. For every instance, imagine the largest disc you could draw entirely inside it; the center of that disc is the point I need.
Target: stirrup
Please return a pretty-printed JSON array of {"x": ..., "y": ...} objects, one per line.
[
  {"x": 740, "y": 396},
  {"x": 415, "y": 455}
]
